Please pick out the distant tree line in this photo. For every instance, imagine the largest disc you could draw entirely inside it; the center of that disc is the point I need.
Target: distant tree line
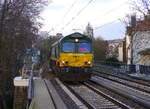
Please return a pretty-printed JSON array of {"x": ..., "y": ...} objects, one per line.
[
  {"x": 140, "y": 9},
  {"x": 99, "y": 48},
  {"x": 44, "y": 45},
  {"x": 18, "y": 31}
]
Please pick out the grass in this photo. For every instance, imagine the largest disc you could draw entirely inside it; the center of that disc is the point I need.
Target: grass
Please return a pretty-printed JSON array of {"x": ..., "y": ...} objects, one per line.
[
  {"x": 104, "y": 69},
  {"x": 108, "y": 69}
]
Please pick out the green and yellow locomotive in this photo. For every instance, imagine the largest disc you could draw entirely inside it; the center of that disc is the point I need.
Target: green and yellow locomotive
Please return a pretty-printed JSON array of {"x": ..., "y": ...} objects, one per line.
[{"x": 71, "y": 57}]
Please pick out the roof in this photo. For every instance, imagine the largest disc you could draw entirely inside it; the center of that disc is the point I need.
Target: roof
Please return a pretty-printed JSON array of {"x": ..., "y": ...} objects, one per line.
[
  {"x": 76, "y": 35},
  {"x": 73, "y": 35},
  {"x": 145, "y": 51},
  {"x": 143, "y": 25}
]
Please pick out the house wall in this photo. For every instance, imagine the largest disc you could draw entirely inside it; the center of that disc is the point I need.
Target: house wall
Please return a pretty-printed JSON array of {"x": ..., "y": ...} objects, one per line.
[
  {"x": 141, "y": 41},
  {"x": 113, "y": 47},
  {"x": 128, "y": 49},
  {"x": 120, "y": 52},
  {"x": 145, "y": 59}
]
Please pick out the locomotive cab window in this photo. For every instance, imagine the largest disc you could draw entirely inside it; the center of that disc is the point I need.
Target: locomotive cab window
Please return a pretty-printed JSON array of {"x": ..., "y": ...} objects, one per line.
[
  {"x": 84, "y": 47},
  {"x": 53, "y": 52},
  {"x": 68, "y": 47}
]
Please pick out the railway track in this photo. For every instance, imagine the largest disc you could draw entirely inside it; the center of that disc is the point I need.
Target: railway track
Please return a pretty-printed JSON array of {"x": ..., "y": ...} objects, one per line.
[
  {"x": 122, "y": 76},
  {"x": 50, "y": 94},
  {"x": 95, "y": 99},
  {"x": 57, "y": 101},
  {"x": 90, "y": 95},
  {"x": 137, "y": 95},
  {"x": 134, "y": 84}
]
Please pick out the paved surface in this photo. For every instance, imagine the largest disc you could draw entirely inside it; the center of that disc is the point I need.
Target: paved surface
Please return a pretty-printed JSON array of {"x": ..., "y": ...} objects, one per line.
[
  {"x": 57, "y": 99},
  {"x": 42, "y": 98}
]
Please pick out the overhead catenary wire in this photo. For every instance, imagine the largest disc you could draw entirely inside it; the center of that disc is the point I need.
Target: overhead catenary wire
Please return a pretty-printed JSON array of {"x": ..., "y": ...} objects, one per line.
[
  {"x": 97, "y": 27},
  {"x": 67, "y": 12},
  {"x": 82, "y": 9},
  {"x": 78, "y": 13},
  {"x": 105, "y": 24},
  {"x": 69, "y": 9},
  {"x": 112, "y": 10},
  {"x": 108, "y": 23},
  {"x": 108, "y": 12}
]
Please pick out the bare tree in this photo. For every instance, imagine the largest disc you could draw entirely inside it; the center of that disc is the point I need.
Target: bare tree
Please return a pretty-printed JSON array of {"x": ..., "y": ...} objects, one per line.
[
  {"x": 140, "y": 18},
  {"x": 18, "y": 31},
  {"x": 100, "y": 47},
  {"x": 142, "y": 7}
]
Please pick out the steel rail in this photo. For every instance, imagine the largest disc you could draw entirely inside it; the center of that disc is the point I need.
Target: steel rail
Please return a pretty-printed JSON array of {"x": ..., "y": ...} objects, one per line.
[
  {"x": 136, "y": 99},
  {"x": 50, "y": 94},
  {"x": 128, "y": 78},
  {"x": 30, "y": 91},
  {"x": 90, "y": 106},
  {"x": 115, "y": 101},
  {"x": 126, "y": 84}
]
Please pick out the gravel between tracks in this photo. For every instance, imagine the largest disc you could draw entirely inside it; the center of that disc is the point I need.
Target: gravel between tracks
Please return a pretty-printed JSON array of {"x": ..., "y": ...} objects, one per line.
[
  {"x": 67, "y": 100},
  {"x": 126, "y": 81},
  {"x": 130, "y": 90},
  {"x": 93, "y": 98},
  {"x": 122, "y": 75},
  {"x": 130, "y": 83},
  {"x": 117, "y": 96}
]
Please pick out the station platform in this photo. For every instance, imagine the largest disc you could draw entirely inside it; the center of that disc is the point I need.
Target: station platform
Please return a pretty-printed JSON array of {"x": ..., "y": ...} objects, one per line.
[
  {"x": 42, "y": 99},
  {"x": 45, "y": 96}
]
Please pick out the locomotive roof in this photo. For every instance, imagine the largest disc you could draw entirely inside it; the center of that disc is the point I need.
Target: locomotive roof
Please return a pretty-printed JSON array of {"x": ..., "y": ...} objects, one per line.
[
  {"x": 76, "y": 35},
  {"x": 73, "y": 35}
]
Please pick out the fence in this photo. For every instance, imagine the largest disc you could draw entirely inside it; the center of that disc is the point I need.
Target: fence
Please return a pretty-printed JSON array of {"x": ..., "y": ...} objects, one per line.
[
  {"x": 30, "y": 92},
  {"x": 144, "y": 69},
  {"x": 124, "y": 68}
]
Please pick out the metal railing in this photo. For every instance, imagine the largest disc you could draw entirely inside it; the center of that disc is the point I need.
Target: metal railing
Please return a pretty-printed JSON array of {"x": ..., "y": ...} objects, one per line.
[
  {"x": 30, "y": 91},
  {"x": 124, "y": 68},
  {"x": 144, "y": 69}
]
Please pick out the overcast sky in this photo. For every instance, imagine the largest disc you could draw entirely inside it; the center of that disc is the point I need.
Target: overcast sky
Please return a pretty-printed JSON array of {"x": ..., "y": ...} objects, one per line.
[{"x": 67, "y": 16}]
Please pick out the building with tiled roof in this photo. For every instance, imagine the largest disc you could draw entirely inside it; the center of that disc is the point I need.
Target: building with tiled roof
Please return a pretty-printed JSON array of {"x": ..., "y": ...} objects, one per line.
[{"x": 138, "y": 42}]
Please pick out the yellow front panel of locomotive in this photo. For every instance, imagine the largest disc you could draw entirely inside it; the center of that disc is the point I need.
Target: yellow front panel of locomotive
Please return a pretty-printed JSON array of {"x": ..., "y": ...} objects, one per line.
[{"x": 76, "y": 59}]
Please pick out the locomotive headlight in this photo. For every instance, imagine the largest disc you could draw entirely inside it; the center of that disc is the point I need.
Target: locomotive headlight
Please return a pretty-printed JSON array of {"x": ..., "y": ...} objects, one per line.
[
  {"x": 76, "y": 40},
  {"x": 89, "y": 62},
  {"x": 63, "y": 62}
]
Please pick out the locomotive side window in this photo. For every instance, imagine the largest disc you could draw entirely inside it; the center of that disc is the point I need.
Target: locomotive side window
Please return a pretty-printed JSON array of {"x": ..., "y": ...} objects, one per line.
[
  {"x": 53, "y": 52},
  {"x": 56, "y": 51},
  {"x": 68, "y": 47},
  {"x": 84, "y": 47}
]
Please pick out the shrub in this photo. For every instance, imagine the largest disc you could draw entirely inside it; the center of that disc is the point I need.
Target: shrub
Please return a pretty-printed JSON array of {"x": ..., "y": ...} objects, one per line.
[{"x": 113, "y": 61}]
